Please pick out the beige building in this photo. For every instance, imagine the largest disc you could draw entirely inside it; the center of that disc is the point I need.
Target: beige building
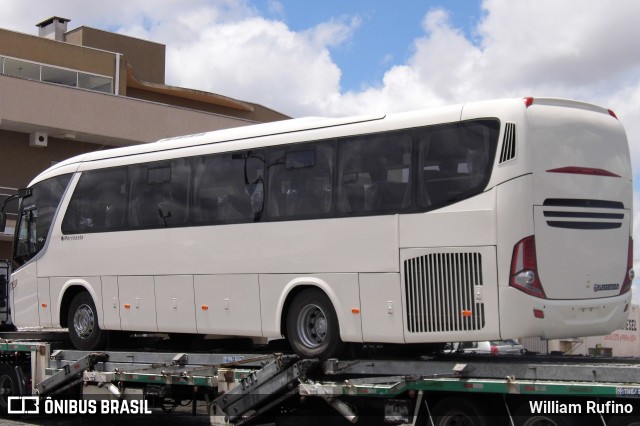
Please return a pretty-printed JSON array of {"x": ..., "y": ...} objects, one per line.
[{"x": 70, "y": 92}]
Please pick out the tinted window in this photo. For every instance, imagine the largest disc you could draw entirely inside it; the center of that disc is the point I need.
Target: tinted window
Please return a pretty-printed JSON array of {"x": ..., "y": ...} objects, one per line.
[
  {"x": 159, "y": 194},
  {"x": 455, "y": 161},
  {"x": 98, "y": 202},
  {"x": 36, "y": 216},
  {"x": 374, "y": 173},
  {"x": 228, "y": 188},
  {"x": 301, "y": 181}
]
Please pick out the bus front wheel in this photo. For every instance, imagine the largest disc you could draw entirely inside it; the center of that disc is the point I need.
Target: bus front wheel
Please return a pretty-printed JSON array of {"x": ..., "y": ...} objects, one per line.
[
  {"x": 312, "y": 326},
  {"x": 82, "y": 320}
]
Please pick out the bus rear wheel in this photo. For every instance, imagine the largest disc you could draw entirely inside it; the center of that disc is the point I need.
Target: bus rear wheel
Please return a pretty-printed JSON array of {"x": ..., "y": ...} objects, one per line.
[
  {"x": 312, "y": 326},
  {"x": 82, "y": 319}
]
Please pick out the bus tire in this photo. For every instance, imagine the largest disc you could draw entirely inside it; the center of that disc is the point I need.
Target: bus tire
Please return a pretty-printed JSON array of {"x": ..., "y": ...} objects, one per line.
[
  {"x": 82, "y": 319},
  {"x": 312, "y": 326},
  {"x": 452, "y": 411}
]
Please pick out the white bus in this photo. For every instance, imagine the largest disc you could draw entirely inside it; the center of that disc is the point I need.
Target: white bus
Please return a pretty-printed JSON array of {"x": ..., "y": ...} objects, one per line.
[{"x": 483, "y": 221}]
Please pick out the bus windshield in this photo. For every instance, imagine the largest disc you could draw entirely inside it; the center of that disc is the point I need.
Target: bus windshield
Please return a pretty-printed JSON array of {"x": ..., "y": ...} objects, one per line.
[{"x": 37, "y": 210}]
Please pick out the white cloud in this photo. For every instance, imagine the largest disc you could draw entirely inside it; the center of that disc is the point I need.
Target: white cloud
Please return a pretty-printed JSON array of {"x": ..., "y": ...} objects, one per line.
[
  {"x": 579, "y": 49},
  {"x": 259, "y": 60}
]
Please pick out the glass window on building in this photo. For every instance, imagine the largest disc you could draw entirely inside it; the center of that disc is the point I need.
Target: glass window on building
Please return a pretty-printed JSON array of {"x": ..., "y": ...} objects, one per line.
[
  {"x": 59, "y": 76},
  {"x": 22, "y": 69}
]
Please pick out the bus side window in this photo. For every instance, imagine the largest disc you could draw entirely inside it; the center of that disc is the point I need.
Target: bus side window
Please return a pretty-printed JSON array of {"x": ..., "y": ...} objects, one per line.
[
  {"x": 301, "y": 181},
  {"x": 374, "y": 174},
  {"x": 159, "y": 194},
  {"x": 228, "y": 188},
  {"x": 98, "y": 202}
]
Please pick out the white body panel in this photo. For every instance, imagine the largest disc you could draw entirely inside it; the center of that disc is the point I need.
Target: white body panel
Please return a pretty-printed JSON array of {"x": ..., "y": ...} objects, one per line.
[
  {"x": 474, "y": 222},
  {"x": 24, "y": 296},
  {"x": 278, "y": 247},
  {"x": 110, "y": 303},
  {"x": 44, "y": 302},
  {"x": 382, "y": 308},
  {"x": 175, "y": 308},
  {"x": 425, "y": 275},
  {"x": 227, "y": 304},
  {"x": 137, "y": 297}
]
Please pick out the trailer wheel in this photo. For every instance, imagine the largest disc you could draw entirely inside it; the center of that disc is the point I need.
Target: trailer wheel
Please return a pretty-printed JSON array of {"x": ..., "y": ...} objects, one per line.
[
  {"x": 455, "y": 411},
  {"x": 9, "y": 386},
  {"x": 312, "y": 326},
  {"x": 82, "y": 320}
]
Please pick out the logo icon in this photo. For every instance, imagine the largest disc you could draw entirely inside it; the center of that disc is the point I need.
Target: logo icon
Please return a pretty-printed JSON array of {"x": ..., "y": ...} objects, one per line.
[{"x": 23, "y": 405}]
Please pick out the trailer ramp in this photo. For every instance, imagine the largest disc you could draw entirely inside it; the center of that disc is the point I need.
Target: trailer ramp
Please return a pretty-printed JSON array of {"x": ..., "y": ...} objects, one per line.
[{"x": 261, "y": 390}]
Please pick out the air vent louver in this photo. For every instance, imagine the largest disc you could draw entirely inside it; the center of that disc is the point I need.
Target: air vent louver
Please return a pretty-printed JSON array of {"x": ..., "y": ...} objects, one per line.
[
  {"x": 440, "y": 289},
  {"x": 508, "y": 143}
]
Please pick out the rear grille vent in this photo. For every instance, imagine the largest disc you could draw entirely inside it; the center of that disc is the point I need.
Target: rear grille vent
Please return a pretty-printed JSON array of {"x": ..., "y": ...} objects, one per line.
[
  {"x": 508, "y": 143},
  {"x": 588, "y": 220},
  {"x": 440, "y": 289}
]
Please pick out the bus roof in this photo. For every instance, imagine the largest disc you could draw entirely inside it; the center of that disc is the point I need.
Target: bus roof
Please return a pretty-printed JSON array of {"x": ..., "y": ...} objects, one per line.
[{"x": 298, "y": 125}]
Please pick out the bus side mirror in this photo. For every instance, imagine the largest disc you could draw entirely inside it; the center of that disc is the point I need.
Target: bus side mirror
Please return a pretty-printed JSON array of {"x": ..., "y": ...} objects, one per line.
[{"x": 3, "y": 222}]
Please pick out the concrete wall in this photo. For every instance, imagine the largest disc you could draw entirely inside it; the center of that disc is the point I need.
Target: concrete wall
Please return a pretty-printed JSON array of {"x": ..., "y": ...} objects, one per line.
[
  {"x": 52, "y": 52},
  {"x": 146, "y": 57},
  {"x": 97, "y": 117}
]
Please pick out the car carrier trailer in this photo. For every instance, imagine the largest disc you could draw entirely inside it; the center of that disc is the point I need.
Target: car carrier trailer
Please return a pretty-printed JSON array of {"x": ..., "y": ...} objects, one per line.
[{"x": 260, "y": 389}]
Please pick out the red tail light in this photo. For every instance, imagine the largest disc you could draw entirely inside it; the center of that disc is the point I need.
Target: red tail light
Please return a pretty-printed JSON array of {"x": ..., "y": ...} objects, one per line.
[
  {"x": 494, "y": 350},
  {"x": 629, "y": 273},
  {"x": 524, "y": 268},
  {"x": 528, "y": 101}
]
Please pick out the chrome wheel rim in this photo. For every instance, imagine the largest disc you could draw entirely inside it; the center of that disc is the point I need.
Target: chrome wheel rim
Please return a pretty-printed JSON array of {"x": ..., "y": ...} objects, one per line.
[
  {"x": 84, "y": 321},
  {"x": 312, "y": 326}
]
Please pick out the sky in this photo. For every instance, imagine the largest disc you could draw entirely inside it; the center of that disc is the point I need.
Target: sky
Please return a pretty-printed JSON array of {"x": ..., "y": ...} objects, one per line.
[{"x": 350, "y": 57}]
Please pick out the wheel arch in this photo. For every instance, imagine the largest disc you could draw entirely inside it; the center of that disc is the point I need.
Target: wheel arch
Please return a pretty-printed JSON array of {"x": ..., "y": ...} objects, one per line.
[
  {"x": 70, "y": 289},
  {"x": 296, "y": 287}
]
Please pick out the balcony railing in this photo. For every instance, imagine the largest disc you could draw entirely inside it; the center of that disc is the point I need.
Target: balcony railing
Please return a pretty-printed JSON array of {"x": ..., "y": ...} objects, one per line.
[{"x": 57, "y": 75}]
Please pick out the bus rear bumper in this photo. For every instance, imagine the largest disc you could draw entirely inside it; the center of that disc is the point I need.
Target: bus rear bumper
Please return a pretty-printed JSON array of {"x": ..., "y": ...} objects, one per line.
[{"x": 527, "y": 316}]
